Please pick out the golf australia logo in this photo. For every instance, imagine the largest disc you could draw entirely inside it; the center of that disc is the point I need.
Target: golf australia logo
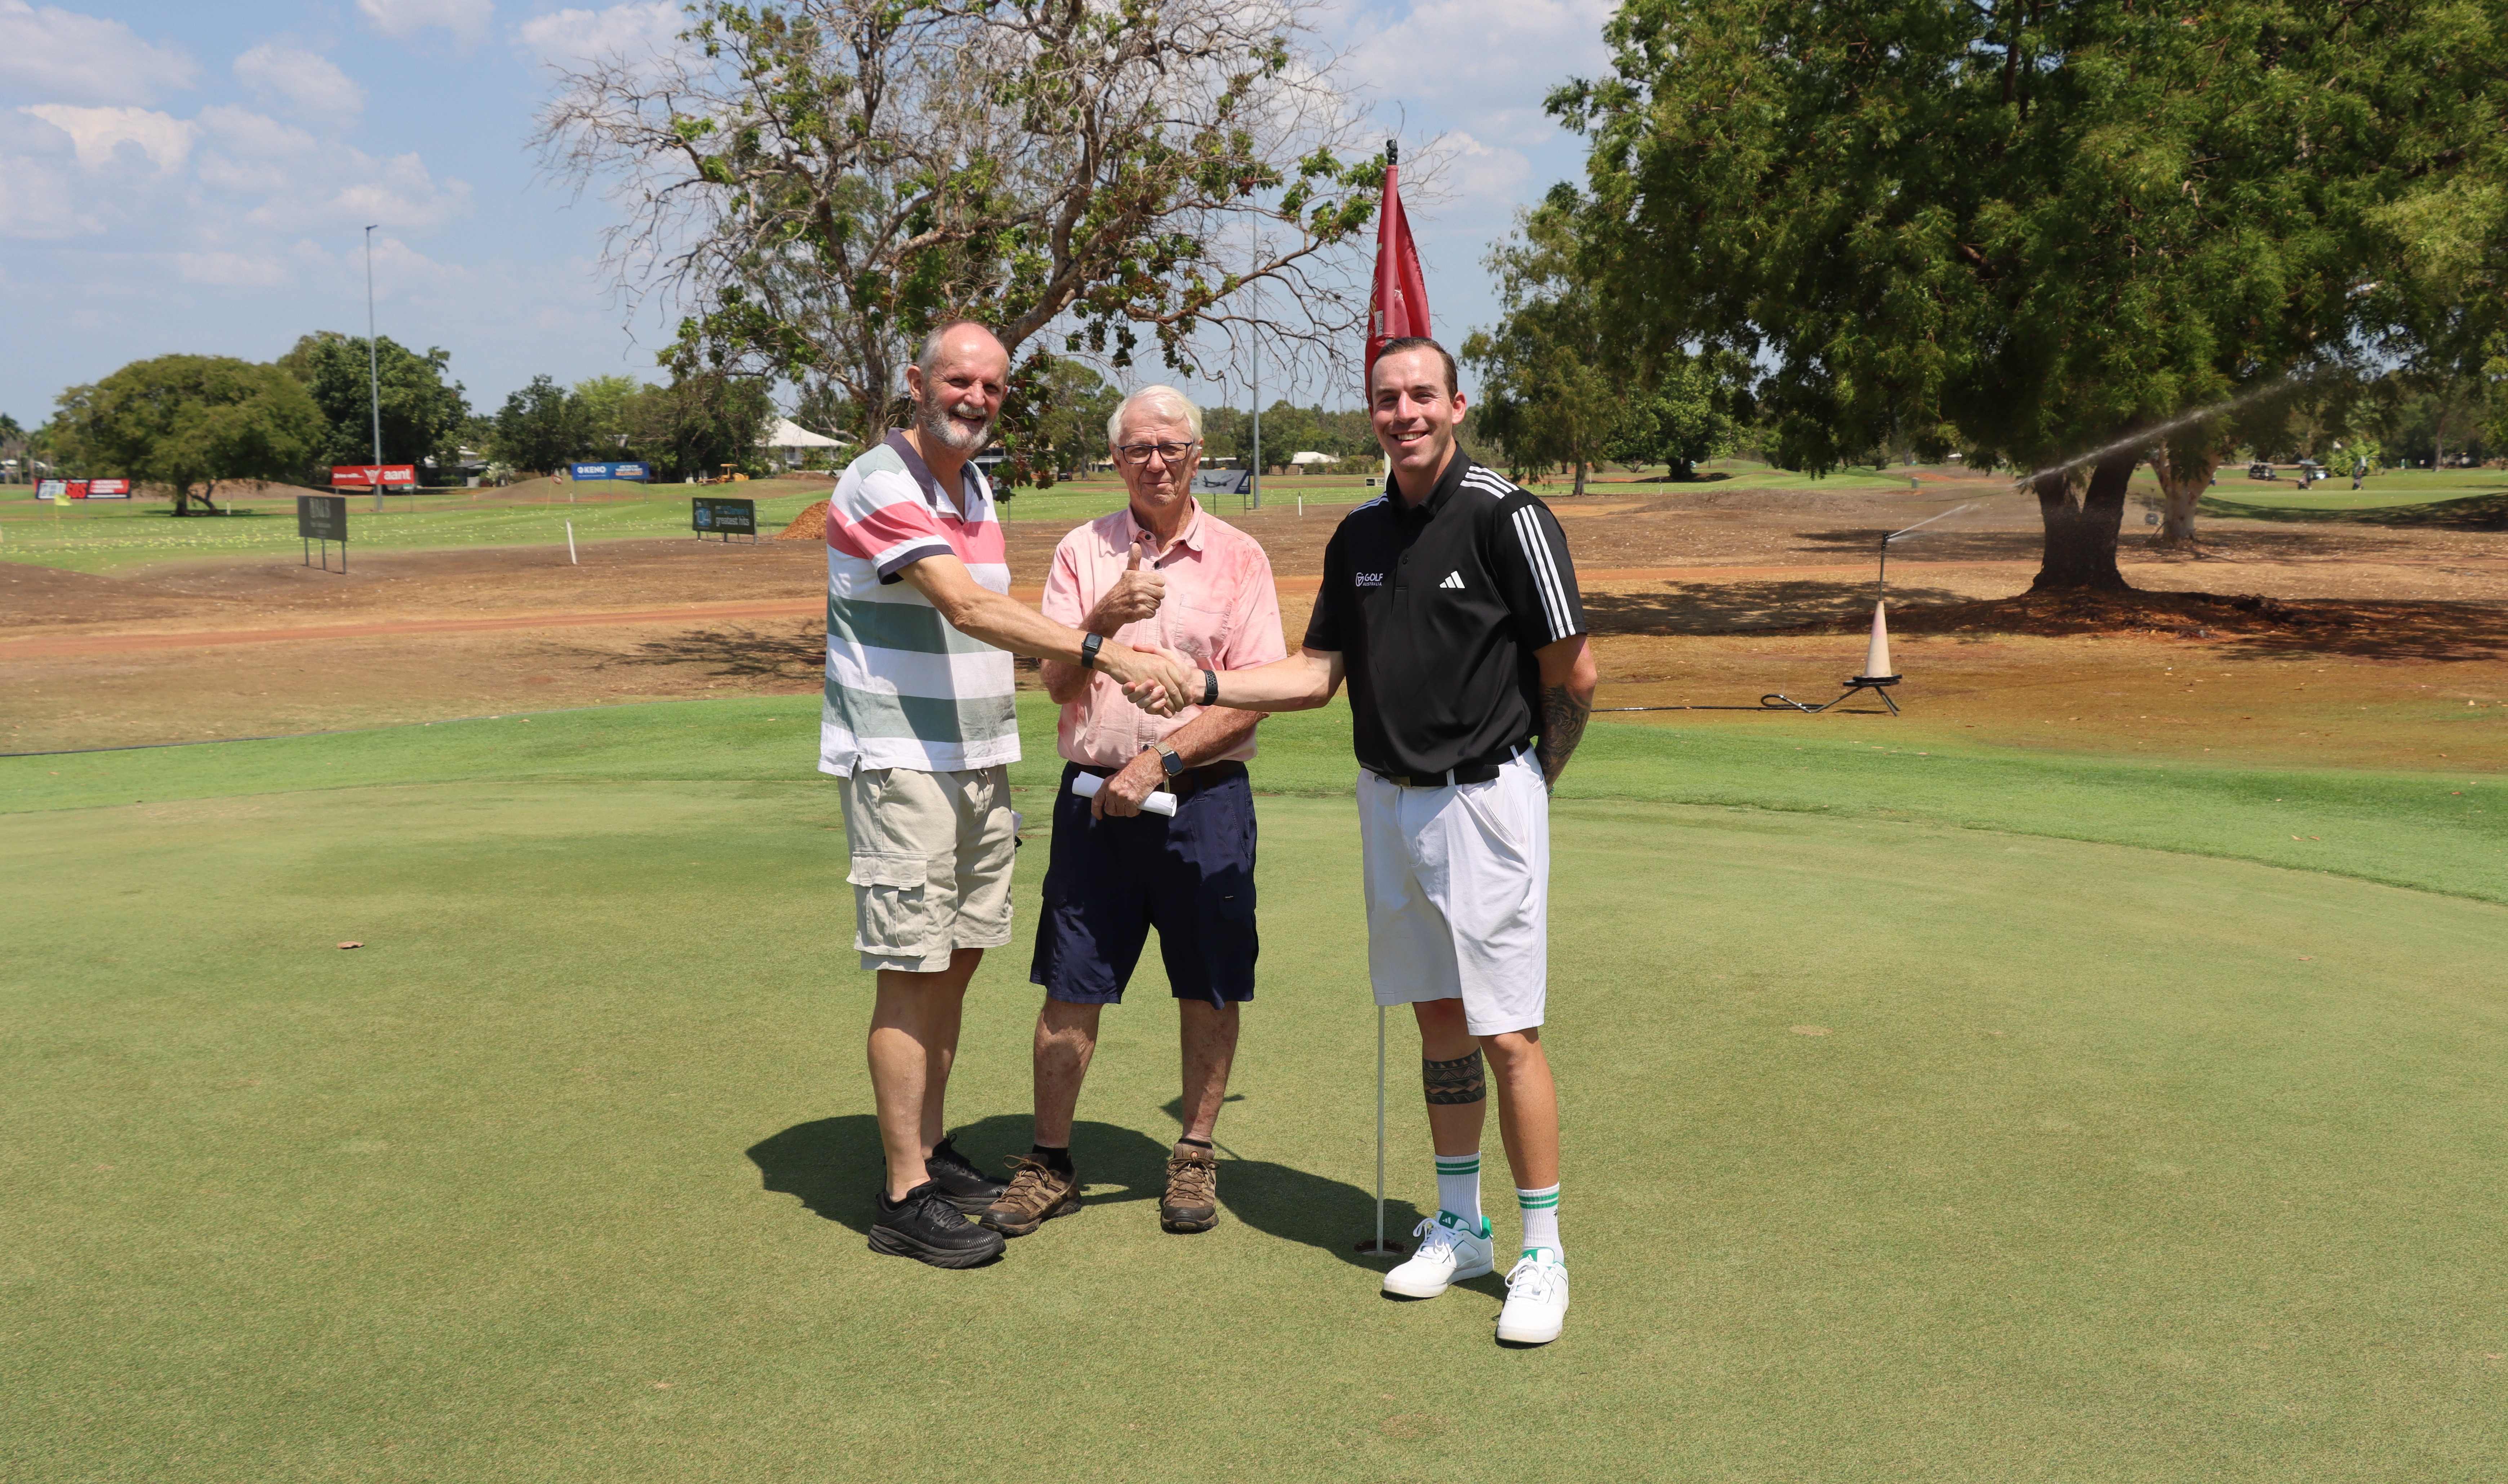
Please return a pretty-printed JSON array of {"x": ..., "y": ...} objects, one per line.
[
  {"x": 1371, "y": 579},
  {"x": 1454, "y": 580}
]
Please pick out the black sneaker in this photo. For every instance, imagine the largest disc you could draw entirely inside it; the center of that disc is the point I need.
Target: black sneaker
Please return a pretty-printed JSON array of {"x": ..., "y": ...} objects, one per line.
[
  {"x": 927, "y": 1228},
  {"x": 961, "y": 1183}
]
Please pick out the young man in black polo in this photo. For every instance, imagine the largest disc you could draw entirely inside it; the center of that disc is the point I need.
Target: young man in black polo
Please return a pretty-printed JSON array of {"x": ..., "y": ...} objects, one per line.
[{"x": 1449, "y": 606}]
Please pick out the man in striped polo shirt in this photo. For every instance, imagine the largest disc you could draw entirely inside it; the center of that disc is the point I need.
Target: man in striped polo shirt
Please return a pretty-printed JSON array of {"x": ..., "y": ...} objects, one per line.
[{"x": 920, "y": 724}]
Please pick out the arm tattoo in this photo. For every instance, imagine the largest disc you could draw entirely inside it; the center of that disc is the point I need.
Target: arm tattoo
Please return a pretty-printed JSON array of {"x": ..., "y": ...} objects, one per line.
[
  {"x": 1562, "y": 727},
  {"x": 1456, "y": 1081}
]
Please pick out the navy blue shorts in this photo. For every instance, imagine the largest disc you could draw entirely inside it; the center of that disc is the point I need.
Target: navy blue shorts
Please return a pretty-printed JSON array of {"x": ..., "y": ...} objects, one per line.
[{"x": 1108, "y": 882}]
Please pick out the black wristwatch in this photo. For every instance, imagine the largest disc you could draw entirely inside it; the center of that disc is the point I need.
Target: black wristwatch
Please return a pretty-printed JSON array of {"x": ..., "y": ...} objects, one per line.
[
  {"x": 1210, "y": 687},
  {"x": 1169, "y": 759},
  {"x": 1088, "y": 648}
]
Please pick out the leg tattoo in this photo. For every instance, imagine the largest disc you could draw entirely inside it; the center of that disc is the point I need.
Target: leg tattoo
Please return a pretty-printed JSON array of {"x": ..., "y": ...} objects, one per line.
[{"x": 1456, "y": 1081}]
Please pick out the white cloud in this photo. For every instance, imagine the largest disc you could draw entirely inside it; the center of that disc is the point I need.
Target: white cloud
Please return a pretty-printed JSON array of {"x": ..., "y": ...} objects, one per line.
[
  {"x": 41, "y": 203},
  {"x": 1477, "y": 171},
  {"x": 401, "y": 19},
  {"x": 1485, "y": 62},
  {"x": 99, "y": 133},
  {"x": 635, "y": 32},
  {"x": 57, "y": 54},
  {"x": 306, "y": 82}
]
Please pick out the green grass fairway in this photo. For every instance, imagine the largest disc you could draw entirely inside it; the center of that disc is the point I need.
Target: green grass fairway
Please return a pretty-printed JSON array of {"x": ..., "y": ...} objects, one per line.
[
  {"x": 90, "y": 541},
  {"x": 2405, "y": 495},
  {"x": 1906, "y": 1138}
]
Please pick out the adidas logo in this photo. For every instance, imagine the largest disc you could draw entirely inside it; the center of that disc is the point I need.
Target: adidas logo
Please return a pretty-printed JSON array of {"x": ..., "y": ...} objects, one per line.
[{"x": 1452, "y": 580}]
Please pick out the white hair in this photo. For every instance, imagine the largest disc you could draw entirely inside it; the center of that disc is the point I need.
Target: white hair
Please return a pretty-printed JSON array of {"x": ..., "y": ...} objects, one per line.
[{"x": 1164, "y": 398}]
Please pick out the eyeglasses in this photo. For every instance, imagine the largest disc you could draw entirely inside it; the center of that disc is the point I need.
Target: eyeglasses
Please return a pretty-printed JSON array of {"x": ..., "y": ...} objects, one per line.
[{"x": 1140, "y": 453}]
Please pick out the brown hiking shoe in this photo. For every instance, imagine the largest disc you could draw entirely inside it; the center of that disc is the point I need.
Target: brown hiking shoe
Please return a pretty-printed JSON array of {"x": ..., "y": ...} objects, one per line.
[
  {"x": 1192, "y": 1203},
  {"x": 1036, "y": 1195}
]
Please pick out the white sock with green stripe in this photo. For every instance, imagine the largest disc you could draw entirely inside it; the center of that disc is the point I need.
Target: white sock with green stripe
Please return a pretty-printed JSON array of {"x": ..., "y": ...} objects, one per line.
[
  {"x": 1458, "y": 1187},
  {"x": 1540, "y": 1210}
]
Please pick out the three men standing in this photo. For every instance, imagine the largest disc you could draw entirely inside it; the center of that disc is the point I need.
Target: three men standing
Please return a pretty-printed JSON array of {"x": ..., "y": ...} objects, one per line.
[
  {"x": 1449, "y": 606},
  {"x": 1161, "y": 572}
]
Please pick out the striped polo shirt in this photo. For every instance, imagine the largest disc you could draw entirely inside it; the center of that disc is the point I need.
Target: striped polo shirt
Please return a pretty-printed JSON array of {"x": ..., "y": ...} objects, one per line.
[{"x": 905, "y": 689}]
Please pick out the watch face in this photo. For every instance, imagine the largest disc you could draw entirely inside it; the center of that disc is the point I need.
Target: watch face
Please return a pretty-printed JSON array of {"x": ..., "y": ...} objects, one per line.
[{"x": 1171, "y": 762}]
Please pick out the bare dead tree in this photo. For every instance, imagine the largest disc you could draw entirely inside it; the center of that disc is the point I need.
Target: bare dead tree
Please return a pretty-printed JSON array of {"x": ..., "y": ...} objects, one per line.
[{"x": 813, "y": 182}]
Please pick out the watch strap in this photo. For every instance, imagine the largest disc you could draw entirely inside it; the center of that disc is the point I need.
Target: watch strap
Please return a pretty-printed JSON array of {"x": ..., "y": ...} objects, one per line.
[{"x": 1210, "y": 687}]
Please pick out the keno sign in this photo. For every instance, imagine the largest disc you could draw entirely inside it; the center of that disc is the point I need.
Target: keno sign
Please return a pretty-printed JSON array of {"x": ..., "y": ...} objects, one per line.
[
  {"x": 609, "y": 471},
  {"x": 374, "y": 476}
]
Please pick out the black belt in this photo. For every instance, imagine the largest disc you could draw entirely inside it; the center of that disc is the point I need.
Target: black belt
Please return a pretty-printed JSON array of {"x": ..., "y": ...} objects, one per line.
[
  {"x": 1483, "y": 770},
  {"x": 1187, "y": 783}
]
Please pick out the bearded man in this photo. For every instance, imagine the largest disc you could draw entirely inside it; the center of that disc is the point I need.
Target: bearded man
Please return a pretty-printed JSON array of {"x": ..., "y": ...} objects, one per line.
[{"x": 919, "y": 723}]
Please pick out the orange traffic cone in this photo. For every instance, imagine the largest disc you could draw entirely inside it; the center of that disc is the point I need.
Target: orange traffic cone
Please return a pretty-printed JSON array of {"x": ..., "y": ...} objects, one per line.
[{"x": 1876, "y": 658}]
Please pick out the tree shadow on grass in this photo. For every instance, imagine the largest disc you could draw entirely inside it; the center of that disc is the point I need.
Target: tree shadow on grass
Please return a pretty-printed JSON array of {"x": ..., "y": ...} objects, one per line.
[{"x": 737, "y": 651}]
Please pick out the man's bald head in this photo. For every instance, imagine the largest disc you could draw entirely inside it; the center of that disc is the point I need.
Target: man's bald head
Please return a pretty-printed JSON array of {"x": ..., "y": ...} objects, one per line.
[
  {"x": 958, "y": 383},
  {"x": 961, "y": 339}
]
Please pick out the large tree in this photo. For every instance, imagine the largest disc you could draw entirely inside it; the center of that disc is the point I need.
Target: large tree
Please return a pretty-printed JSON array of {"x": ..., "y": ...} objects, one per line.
[
  {"x": 541, "y": 426},
  {"x": 423, "y": 412},
  {"x": 2046, "y": 231},
  {"x": 698, "y": 424},
  {"x": 189, "y": 422},
  {"x": 816, "y": 182},
  {"x": 1547, "y": 396}
]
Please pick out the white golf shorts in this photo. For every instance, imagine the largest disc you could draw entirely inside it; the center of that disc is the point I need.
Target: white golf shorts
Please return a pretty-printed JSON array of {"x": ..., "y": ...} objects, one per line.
[{"x": 1458, "y": 895}]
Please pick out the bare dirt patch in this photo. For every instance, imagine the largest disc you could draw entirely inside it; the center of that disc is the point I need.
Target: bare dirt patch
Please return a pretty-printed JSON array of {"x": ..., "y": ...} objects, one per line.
[{"x": 2363, "y": 645}]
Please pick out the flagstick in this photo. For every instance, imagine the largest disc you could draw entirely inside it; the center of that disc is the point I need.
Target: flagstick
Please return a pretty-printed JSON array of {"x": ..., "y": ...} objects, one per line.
[
  {"x": 1380, "y": 1130},
  {"x": 571, "y": 557}
]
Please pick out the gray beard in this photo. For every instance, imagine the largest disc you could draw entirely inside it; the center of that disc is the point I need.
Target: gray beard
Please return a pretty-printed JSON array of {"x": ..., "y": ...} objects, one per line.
[{"x": 933, "y": 420}]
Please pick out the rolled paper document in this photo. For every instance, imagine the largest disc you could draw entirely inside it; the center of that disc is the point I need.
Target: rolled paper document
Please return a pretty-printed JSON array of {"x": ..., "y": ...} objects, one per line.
[{"x": 1086, "y": 785}]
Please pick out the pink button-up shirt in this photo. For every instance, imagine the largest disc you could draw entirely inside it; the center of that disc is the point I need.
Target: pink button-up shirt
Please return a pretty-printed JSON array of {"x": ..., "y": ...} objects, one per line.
[{"x": 1219, "y": 608}]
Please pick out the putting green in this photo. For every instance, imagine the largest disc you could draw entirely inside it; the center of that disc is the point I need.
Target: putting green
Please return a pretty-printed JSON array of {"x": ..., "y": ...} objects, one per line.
[{"x": 1895, "y": 1149}]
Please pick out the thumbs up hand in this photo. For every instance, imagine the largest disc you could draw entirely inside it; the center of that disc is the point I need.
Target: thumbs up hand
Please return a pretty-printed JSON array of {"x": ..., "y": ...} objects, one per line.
[{"x": 1134, "y": 596}]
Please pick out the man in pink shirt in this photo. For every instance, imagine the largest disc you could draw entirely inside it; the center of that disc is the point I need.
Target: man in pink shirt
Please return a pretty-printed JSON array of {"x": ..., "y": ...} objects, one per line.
[{"x": 1161, "y": 572}]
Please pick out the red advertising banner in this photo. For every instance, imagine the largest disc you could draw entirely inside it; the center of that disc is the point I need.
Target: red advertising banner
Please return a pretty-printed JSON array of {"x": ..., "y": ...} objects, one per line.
[
  {"x": 75, "y": 490},
  {"x": 108, "y": 488},
  {"x": 373, "y": 476}
]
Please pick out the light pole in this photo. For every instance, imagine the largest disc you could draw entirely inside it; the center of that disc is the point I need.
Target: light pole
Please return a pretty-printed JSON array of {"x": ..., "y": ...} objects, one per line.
[{"x": 373, "y": 380}]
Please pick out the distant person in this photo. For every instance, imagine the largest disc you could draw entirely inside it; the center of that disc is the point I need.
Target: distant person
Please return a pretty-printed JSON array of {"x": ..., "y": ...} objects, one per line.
[
  {"x": 1449, "y": 606},
  {"x": 1162, "y": 571},
  {"x": 918, "y": 721},
  {"x": 2359, "y": 471}
]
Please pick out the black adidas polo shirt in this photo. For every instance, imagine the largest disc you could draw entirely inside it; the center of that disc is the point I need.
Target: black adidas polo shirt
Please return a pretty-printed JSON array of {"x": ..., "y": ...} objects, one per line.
[{"x": 1436, "y": 610}]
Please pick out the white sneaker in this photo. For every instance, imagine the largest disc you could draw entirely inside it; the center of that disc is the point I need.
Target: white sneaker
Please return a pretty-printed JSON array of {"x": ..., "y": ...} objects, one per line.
[
  {"x": 1449, "y": 1253},
  {"x": 1536, "y": 1299}
]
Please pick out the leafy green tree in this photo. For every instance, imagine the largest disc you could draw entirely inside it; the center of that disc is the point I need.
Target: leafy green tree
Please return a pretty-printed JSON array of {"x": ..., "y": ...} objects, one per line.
[
  {"x": 190, "y": 421},
  {"x": 1062, "y": 424},
  {"x": 1547, "y": 396},
  {"x": 602, "y": 405},
  {"x": 1688, "y": 419},
  {"x": 692, "y": 427},
  {"x": 2046, "y": 231},
  {"x": 422, "y": 412},
  {"x": 540, "y": 427},
  {"x": 825, "y": 179}
]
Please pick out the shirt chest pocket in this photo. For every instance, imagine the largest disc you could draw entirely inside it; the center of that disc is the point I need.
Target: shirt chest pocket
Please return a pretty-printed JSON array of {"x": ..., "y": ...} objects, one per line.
[{"x": 1197, "y": 624}]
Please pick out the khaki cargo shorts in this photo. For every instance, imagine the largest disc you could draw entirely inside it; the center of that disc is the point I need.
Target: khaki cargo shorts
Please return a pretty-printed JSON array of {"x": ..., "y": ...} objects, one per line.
[{"x": 931, "y": 870}]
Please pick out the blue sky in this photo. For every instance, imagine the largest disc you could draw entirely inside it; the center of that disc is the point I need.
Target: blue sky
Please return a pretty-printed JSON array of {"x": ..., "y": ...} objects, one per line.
[{"x": 196, "y": 177}]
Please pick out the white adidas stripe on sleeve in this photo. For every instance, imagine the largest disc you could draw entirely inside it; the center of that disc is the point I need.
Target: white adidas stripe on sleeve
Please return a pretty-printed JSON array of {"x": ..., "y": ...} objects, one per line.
[{"x": 1545, "y": 571}]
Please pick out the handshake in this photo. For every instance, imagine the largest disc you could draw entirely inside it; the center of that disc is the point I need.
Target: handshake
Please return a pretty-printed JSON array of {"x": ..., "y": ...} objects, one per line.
[{"x": 1159, "y": 680}]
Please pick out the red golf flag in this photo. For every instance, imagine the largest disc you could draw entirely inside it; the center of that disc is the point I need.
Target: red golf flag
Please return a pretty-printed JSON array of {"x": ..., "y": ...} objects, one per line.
[{"x": 1400, "y": 304}]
